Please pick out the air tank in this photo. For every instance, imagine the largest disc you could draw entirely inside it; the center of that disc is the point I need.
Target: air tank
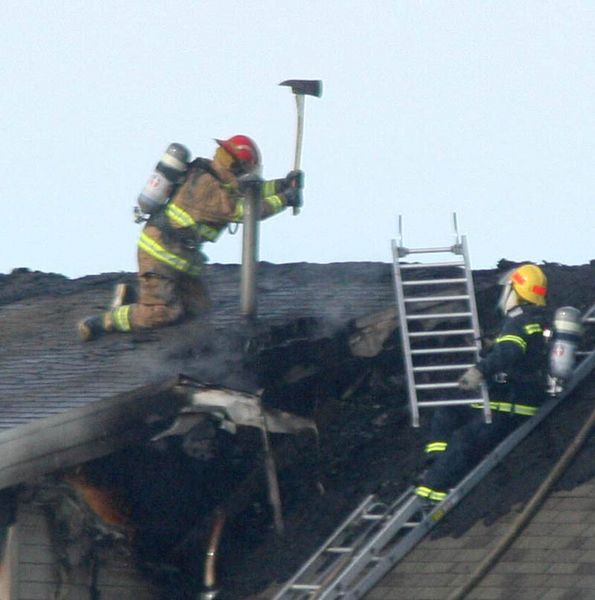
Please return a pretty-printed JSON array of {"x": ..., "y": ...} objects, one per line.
[
  {"x": 169, "y": 170},
  {"x": 566, "y": 336}
]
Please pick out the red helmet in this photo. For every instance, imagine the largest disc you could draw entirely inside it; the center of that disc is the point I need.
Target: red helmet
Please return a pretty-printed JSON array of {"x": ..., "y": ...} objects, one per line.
[{"x": 244, "y": 151}]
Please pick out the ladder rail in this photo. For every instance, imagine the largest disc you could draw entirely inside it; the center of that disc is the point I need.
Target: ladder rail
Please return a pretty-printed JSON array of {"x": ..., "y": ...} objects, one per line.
[
  {"x": 487, "y": 411},
  {"x": 370, "y": 550},
  {"x": 358, "y": 513},
  {"x": 404, "y": 333}
]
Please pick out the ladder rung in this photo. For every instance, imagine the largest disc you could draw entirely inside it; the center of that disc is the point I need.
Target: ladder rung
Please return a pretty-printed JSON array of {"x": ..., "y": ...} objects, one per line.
[
  {"x": 339, "y": 549},
  {"x": 444, "y": 350},
  {"x": 418, "y": 334},
  {"x": 427, "y": 250},
  {"x": 436, "y": 386},
  {"x": 438, "y": 298},
  {"x": 430, "y": 265},
  {"x": 435, "y": 281},
  {"x": 443, "y": 368},
  {"x": 454, "y": 315},
  {"x": 305, "y": 586},
  {"x": 454, "y": 402}
]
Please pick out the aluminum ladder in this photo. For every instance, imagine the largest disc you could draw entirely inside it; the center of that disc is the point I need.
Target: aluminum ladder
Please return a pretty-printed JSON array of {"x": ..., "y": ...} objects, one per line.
[
  {"x": 438, "y": 323},
  {"x": 353, "y": 545},
  {"x": 377, "y": 535}
]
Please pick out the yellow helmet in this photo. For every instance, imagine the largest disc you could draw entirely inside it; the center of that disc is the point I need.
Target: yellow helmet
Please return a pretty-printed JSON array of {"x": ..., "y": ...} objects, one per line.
[{"x": 530, "y": 283}]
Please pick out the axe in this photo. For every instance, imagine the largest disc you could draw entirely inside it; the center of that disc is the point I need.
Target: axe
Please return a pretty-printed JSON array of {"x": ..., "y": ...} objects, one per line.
[{"x": 301, "y": 88}]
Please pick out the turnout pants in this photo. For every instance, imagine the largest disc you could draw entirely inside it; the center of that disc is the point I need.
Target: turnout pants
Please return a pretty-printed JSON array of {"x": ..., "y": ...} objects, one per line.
[
  {"x": 165, "y": 295},
  {"x": 465, "y": 438}
]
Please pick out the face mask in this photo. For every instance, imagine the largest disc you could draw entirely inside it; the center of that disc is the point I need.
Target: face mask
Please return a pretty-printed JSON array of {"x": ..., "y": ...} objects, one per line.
[{"x": 508, "y": 297}]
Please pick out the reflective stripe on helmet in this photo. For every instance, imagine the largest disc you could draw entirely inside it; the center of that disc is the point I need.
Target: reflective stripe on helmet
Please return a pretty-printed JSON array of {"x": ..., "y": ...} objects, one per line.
[
  {"x": 242, "y": 148},
  {"x": 157, "y": 251},
  {"x": 530, "y": 283},
  {"x": 536, "y": 289}
]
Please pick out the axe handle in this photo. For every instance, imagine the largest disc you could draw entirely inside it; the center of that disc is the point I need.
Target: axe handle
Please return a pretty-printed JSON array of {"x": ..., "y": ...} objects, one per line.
[{"x": 299, "y": 136}]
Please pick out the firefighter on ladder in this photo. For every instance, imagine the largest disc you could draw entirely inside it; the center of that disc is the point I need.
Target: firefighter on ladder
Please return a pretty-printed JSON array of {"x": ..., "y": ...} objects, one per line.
[
  {"x": 514, "y": 370},
  {"x": 170, "y": 260}
]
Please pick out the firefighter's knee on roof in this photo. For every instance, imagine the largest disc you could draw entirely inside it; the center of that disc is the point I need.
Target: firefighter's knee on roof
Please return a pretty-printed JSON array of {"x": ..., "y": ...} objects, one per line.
[{"x": 148, "y": 316}]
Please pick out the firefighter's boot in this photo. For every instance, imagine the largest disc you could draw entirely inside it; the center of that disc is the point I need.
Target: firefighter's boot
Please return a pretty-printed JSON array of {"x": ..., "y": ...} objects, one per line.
[{"x": 91, "y": 328}]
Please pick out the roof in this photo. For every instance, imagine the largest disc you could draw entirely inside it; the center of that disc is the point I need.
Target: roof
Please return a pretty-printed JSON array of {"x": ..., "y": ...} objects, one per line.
[
  {"x": 45, "y": 370},
  {"x": 47, "y": 376},
  {"x": 63, "y": 401}
]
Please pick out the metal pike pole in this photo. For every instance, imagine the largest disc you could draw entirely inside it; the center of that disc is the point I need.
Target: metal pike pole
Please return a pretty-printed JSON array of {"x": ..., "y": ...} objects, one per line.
[{"x": 250, "y": 184}]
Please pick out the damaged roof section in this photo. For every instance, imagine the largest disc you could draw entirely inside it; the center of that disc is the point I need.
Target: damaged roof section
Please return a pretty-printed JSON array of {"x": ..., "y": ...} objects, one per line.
[
  {"x": 129, "y": 422},
  {"x": 45, "y": 370},
  {"x": 323, "y": 352}
]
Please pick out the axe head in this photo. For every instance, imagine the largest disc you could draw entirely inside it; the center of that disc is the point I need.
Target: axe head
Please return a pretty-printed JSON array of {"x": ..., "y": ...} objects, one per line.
[{"x": 304, "y": 87}]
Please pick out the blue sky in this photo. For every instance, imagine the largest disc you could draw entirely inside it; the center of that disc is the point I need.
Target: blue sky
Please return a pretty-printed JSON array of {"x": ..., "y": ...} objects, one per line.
[{"x": 485, "y": 109}]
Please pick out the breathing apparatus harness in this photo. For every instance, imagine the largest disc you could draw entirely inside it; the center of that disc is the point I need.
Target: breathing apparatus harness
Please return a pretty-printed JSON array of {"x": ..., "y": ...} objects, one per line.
[{"x": 161, "y": 219}]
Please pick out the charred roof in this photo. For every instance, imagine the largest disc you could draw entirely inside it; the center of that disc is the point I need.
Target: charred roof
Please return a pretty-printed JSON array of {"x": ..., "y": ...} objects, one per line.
[{"x": 298, "y": 350}]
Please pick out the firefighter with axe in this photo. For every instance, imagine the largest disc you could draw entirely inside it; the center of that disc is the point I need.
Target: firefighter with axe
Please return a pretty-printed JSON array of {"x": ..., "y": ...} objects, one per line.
[{"x": 186, "y": 205}]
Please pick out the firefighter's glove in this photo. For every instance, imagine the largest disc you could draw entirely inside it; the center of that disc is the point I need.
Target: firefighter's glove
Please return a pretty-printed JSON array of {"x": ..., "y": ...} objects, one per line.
[
  {"x": 294, "y": 180},
  {"x": 293, "y": 197},
  {"x": 471, "y": 379}
]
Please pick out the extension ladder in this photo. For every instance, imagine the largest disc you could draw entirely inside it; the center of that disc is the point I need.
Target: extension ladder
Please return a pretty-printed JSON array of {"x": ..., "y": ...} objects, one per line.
[
  {"x": 428, "y": 295},
  {"x": 377, "y": 535},
  {"x": 355, "y": 543}
]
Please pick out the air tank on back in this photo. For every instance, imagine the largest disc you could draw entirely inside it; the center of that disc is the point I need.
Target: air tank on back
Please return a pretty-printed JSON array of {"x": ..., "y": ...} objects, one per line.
[
  {"x": 566, "y": 336},
  {"x": 168, "y": 171}
]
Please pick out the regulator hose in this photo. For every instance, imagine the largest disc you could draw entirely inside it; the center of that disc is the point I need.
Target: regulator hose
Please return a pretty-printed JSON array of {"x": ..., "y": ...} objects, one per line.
[{"x": 527, "y": 513}]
